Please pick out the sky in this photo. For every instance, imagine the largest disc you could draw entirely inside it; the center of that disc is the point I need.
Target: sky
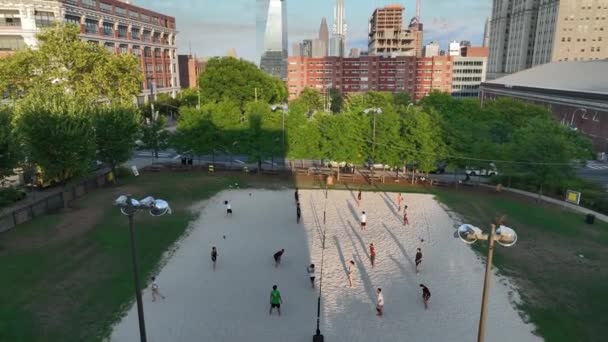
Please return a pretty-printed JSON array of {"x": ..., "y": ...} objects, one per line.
[{"x": 211, "y": 27}]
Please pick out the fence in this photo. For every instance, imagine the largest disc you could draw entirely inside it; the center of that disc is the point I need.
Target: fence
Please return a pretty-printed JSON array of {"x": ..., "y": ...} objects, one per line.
[{"x": 50, "y": 201}]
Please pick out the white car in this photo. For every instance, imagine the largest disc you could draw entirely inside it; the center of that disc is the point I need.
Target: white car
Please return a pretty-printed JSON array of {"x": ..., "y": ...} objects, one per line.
[{"x": 475, "y": 171}]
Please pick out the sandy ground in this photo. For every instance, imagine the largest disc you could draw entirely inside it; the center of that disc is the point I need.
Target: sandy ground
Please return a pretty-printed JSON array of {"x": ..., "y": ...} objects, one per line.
[{"x": 231, "y": 303}]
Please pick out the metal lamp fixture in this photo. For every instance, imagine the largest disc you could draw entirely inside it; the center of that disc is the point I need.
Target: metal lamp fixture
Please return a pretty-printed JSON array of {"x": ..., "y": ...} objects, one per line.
[
  {"x": 129, "y": 206},
  {"x": 506, "y": 237}
]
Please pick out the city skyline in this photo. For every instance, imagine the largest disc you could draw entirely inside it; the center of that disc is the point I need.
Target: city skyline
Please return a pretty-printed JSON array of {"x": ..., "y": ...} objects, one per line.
[{"x": 209, "y": 28}]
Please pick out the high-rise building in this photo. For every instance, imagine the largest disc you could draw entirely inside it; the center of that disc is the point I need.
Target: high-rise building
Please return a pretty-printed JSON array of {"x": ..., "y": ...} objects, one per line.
[
  {"x": 296, "y": 49},
  {"x": 324, "y": 35},
  {"x": 336, "y": 46},
  {"x": 118, "y": 26},
  {"x": 388, "y": 37},
  {"x": 354, "y": 53},
  {"x": 431, "y": 49},
  {"x": 274, "y": 56},
  {"x": 465, "y": 43},
  {"x": 454, "y": 49},
  {"x": 432, "y": 73},
  {"x": 337, "y": 41},
  {"x": 526, "y": 33},
  {"x": 307, "y": 47},
  {"x": 486, "y": 34},
  {"x": 318, "y": 49}
]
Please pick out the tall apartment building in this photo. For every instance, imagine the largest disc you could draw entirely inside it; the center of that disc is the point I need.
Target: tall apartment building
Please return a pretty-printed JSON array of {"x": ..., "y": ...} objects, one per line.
[
  {"x": 324, "y": 35},
  {"x": 431, "y": 49},
  {"x": 454, "y": 49},
  {"x": 469, "y": 71},
  {"x": 117, "y": 25},
  {"x": 416, "y": 76},
  {"x": 389, "y": 37},
  {"x": 432, "y": 73},
  {"x": 526, "y": 33}
]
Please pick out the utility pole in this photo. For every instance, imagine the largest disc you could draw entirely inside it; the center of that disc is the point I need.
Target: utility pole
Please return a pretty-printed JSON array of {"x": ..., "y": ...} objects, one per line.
[
  {"x": 199, "y": 98},
  {"x": 154, "y": 117},
  {"x": 256, "y": 94},
  {"x": 373, "y": 147}
]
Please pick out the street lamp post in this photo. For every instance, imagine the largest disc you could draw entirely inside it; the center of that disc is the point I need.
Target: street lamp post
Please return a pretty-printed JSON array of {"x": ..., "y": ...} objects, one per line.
[
  {"x": 374, "y": 111},
  {"x": 284, "y": 108},
  {"x": 152, "y": 85},
  {"x": 317, "y": 337},
  {"x": 129, "y": 206},
  {"x": 505, "y": 236}
]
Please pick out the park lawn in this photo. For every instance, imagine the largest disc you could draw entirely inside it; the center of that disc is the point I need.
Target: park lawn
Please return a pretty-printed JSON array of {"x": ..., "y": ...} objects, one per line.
[
  {"x": 564, "y": 295},
  {"x": 66, "y": 276}
]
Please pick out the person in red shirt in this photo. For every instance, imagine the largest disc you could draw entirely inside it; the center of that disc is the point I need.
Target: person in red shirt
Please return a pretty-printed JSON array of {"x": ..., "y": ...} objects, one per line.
[{"x": 372, "y": 254}]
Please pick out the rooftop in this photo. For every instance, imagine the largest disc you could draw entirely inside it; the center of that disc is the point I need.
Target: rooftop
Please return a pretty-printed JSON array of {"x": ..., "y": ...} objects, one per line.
[{"x": 562, "y": 76}]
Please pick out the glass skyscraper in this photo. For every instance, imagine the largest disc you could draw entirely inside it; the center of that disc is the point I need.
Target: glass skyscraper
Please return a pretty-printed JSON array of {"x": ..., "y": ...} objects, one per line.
[{"x": 273, "y": 58}]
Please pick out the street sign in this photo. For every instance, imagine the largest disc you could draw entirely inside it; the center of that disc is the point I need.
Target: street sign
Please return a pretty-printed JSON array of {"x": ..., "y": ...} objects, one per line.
[{"x": 573, "y": 197}]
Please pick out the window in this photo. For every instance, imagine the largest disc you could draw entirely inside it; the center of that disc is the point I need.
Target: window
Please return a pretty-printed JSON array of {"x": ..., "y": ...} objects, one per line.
[
  {"x": 108, "y": 29},
  {"x": 147, "y": 52},
  {"x": 105, "y": 7},
  {"x": 7, "y": 21},
  {"x": 156, "y": 38},
  {"x": 89, "y": 4},
  {"x": 135, "y": 33},
  {"x": 122, "y": 31},
  {"x": 157, "y": 53},
  {"x": 44, "y": 19},
  {"x": 144, "y": 17},
  {"x": 149, "y": 68},
  {"x": 72, "y": 19},
  {"x": 133, "y": 15},
  {"x": 9, "y": 43},
  {"x": 136, "y": 50},
  {"x": 90, "y": 26},
  {"x": 124, "y": 48},
  {"x": 110, "y": 47},
  {"x": 159, "y": 68},
  {"x": 146, "y": 37},
  {"x": 120, "y": 11}
]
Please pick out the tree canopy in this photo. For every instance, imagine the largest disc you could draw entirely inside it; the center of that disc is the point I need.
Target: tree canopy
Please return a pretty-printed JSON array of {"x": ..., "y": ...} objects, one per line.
[{"x": 62, "y": 60}]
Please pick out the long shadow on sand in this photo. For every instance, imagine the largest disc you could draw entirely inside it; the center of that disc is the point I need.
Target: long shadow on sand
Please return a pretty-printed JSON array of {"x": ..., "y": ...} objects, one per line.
[
  {"x": 341, "y": 254},
  {"x": 353, "y": 211},
  {"x": 389, "y": 202},
  {"x": 367, "y": 283},
  {"x": 404, "y": 271},
  {"x": 399, "y": 244},
  {"x": 317, "y": 220}
]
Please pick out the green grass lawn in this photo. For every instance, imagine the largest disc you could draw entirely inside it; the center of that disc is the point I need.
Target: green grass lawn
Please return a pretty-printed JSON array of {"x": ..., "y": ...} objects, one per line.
[{"x": 67, "y": 276}]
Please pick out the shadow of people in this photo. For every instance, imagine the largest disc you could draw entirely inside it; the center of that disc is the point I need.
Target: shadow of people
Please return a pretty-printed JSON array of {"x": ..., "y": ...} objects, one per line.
[
  {"x": 365, "y": 279},
  {"x": 391, "y": 205},
  {"x": 353, "y": 211},
  {"x": 399, "y": 244},
  {"x": 341, "y": 255}
]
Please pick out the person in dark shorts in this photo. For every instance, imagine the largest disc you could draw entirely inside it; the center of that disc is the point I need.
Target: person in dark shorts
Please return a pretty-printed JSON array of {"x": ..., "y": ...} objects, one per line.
[
  {"x": 277, "y": 257},
  {"x": 405, "y": 219},
  {"x": 426, "y": 295},
  {"x": 311, "y": 274},
  {"x": 298, "y": 212},
  {"x": 228, "y": 208},
  {"x": 372, "y": 254},
  {"x": 297, "y": 196},
  {"x": 275, "y": 300},
  {"x": 350, "y": 271},
  {"x": 359, "y": 198},
  {"x": 379, "y": 302},
  {"x": 418, "y": 258},
  {"x": 213, "y": 256},
  {"x": 363, "y": 220}
]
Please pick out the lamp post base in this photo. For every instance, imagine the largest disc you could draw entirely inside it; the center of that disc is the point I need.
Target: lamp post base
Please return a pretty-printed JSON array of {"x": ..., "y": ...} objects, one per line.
[{"x": 318, "y": 338}]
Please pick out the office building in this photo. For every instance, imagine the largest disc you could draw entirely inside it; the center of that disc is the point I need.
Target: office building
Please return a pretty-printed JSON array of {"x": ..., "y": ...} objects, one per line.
[
  {"x": 118, "y": 26},
  {"x": 337, "y": 41},
  {"x": 465, "y": 43},
  {"x": 570, "y": 90},
  {"x": 431, "y": 49},
  {"x": 354, "y": 53},
  {"x": 454, "y": 49},
  {"x": 190, "y": 69},
  {"x": 296, "y": 49},
  {"x": 274, "y": 56},
  {"x": 318, "y": 49},
  {"x": 525, "y": 33},
  {"x": 432, "y": 73},
  {"x": 389, "y": 37},
  {"x": 486, "y": 34},
  {"x": 324, "y": 35}
]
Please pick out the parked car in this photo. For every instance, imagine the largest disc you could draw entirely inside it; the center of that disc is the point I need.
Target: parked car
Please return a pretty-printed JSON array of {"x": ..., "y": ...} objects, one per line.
[{"x": 477, "y": 171}]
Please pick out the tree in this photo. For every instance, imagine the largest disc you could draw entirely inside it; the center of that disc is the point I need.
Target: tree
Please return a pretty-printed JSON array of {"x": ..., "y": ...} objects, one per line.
[
  {"x": 423, "y": 140},
  {"x": 197, "y": 134},
  {"x": 545, "y": 150},
  {"x": 228, "y": 78},
  {"x": 167, "y": 105},
  {"x": 154, "y": 135},
  {"x": 189, "y": 97},
  {"x": 312, "y": 100},
  {"x": 62, "y": 60},
  {"x": 336, "y": 99},
  {"x": 57, "y": 134},
  {"x": 264, "y": 132},
  {"x": 116, "y": 128},
  {"x": 9, "y": 150},
  {"x": 303, "y": 135},
  {"x": 342, "y": 137}
]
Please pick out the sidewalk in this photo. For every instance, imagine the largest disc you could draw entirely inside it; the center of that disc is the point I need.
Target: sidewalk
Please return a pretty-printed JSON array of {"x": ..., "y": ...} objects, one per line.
[{"x": 551, "y": 200}]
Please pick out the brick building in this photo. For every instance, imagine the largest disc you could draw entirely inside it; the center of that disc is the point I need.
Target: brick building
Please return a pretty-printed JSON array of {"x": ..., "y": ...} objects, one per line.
[
  {"x": 416, "y": 76},
  {"x": 117, "y": 25},
  {"x": 190, "y": 68},
  {"x": 389, "y": 37}
]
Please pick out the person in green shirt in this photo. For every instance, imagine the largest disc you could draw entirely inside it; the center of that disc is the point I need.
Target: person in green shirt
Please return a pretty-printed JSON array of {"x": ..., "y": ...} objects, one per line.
[{"x": 275, "y": 300}]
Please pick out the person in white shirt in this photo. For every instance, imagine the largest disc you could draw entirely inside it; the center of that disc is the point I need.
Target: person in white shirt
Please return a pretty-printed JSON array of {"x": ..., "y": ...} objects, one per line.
[
  {"x": 311, "y": 274},
  {"x": 228, "y": 208},
  {"x": 363, "y": 220},
  {"x": 155, "y": 290},
  {"x": 379, "y": 302}
]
